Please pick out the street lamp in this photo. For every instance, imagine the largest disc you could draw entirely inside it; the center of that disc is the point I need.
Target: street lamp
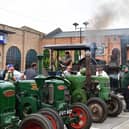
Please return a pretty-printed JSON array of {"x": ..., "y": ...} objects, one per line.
[
  {"x": 80, "y": 28},
  {"x": 86, "y": 24}
]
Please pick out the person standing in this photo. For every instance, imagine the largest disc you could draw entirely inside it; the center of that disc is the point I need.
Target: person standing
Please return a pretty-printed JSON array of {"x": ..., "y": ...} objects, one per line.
[
  {"x": 31, "y": 72},
  {"x": 125, "y": 86},
  {"x": 9, "y": 76},
  {"x": 101, "y": 72}
]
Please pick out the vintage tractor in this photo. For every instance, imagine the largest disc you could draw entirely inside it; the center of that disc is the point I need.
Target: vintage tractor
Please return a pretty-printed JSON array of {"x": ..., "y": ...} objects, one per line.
[
  {"x": 43, "y": 103},
  {"x": 8, "y": 118},
  {"x": 90, "y": 89},
  {"x": 50, "y": 97},
  {"x": 95, "y": 91}
]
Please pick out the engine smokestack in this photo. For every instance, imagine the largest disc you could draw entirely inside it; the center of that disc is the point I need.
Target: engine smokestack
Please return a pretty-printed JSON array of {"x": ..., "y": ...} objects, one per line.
[{"x": 93, "y": 48}]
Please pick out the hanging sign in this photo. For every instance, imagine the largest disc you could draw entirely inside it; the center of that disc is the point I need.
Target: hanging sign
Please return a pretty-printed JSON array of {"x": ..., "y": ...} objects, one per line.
[{"x": 2, "y": 38}]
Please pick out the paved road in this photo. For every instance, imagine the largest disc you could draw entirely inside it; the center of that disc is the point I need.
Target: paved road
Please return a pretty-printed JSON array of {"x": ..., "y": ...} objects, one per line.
[{"x": 120, "y": 122}]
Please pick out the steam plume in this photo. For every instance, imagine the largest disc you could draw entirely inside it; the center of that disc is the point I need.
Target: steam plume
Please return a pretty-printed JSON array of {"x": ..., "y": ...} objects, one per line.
[{"x": 109, "y": 12}]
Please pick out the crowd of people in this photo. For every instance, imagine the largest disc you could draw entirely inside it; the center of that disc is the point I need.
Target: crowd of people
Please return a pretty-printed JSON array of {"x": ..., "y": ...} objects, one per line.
[{"x": 11, "y": 74}]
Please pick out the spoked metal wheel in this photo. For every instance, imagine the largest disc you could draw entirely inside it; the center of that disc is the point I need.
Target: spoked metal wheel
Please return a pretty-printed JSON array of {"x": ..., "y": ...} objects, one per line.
[
  {"x": 115, "y": 106},
  {"x": 35, "y": 121},
  {"x": 98, "y": 109},
  {"x": 82, "y": 114},
  {"x": 53, "y": 117}
]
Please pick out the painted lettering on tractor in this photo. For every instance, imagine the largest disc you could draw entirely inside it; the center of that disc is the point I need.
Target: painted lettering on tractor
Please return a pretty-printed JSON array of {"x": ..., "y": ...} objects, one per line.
[
  {"x": 34, "y": 87},
  {"x": 67, "y": 112},
  {"x": 9, "y": 93}
]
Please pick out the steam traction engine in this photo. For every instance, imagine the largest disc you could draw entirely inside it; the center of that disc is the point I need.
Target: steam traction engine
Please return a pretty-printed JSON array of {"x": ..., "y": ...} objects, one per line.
[{"x": 88, "y": 88}]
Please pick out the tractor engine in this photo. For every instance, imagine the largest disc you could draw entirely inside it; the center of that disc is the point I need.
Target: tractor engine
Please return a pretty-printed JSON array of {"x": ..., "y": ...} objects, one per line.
[
  {"x": 31, "y": 95},
  {"x": 27, "y": 98},
  {"x": 56, "y": 93}
]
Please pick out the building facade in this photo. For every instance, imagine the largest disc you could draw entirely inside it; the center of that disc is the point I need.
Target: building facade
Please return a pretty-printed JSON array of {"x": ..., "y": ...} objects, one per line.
[
  {"x": 18, "y": 46},
  {"x": 112, "y": 45}
]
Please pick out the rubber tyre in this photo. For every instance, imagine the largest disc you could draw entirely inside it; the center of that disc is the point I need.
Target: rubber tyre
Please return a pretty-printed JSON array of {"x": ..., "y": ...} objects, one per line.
[
  {"x": 81, "y": 111},
  {"x": 35, "y": 121},
  {"x": 53, "y": 116},
  {"x": 98, "y": 109},
  {"x": 115, "y": 106}
]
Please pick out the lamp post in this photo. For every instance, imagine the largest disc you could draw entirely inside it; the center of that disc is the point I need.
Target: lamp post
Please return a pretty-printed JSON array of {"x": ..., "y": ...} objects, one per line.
[
  {"x": 80, "y": 29},
  {"x": 80, "y": 36}
]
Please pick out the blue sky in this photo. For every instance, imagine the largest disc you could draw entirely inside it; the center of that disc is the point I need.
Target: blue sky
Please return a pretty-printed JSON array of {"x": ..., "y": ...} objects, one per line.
[{"x": 47, "y": 15}]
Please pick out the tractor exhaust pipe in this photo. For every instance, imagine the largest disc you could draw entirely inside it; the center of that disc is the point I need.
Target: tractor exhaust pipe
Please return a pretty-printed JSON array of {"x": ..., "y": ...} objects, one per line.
[
  {"x": 40, "y": 78},
  {"x": 93, "y": 48},
  {"x": 40, "y": 64}
]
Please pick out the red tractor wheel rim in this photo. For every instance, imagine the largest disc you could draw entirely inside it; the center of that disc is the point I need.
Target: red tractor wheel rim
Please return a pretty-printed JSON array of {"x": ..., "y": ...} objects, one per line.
[
  {"x": 82, "y": 118},
  {"x": 53, "y": 121},
  {"x": 33, "y": 125}
]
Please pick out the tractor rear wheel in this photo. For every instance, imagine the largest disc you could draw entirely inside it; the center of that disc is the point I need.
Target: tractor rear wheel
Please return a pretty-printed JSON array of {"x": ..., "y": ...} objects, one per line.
[
  {"x": 83, "y": 115},
  {"x": 53, "y": 116},
  {"x": 98, "y": 109},
  {"x": 35, "y": 121},
  {"x": 115, "y": 106}
]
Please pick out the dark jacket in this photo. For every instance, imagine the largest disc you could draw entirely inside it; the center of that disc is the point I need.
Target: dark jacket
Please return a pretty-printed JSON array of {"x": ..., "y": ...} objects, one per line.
[
  {"x": 30, "y": 73},
  {"x": 125, "y": 80}
]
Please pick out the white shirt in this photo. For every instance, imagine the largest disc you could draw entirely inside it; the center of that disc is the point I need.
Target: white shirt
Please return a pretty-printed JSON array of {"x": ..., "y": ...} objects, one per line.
[
  {"x": 17, "y": 74},
  {"x": 102, "y": 73}
]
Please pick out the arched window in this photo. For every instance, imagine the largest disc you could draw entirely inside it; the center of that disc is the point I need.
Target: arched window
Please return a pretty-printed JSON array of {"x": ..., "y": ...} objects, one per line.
[
  {"x": 14, "y": 57},
  {"x": 31, "y": 57}
]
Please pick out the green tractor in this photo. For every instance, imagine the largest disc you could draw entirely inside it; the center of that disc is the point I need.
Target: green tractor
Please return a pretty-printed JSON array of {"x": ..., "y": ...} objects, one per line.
[
  {"x": 43, "y": 103},
  {"x": 50, "y": 97},
  {"x": 8, "y": 117},
  {"x": 88, "y": 88}
]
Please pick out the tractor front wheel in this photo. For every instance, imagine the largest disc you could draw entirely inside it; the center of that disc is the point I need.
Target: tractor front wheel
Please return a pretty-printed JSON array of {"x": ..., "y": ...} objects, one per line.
[
  {"x": 115, "y": 106},
  {"x": 98, "y": 109},
  {"x": 35, "y": 121},
  {"x": 82, "y": 114},
  {"x": 53, "y": 116}
]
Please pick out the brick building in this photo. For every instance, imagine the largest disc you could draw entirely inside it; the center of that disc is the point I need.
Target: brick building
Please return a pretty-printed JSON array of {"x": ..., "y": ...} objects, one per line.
[
  {"x": 112, "y": 45},
  {"x": 18, "y": 46}
]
